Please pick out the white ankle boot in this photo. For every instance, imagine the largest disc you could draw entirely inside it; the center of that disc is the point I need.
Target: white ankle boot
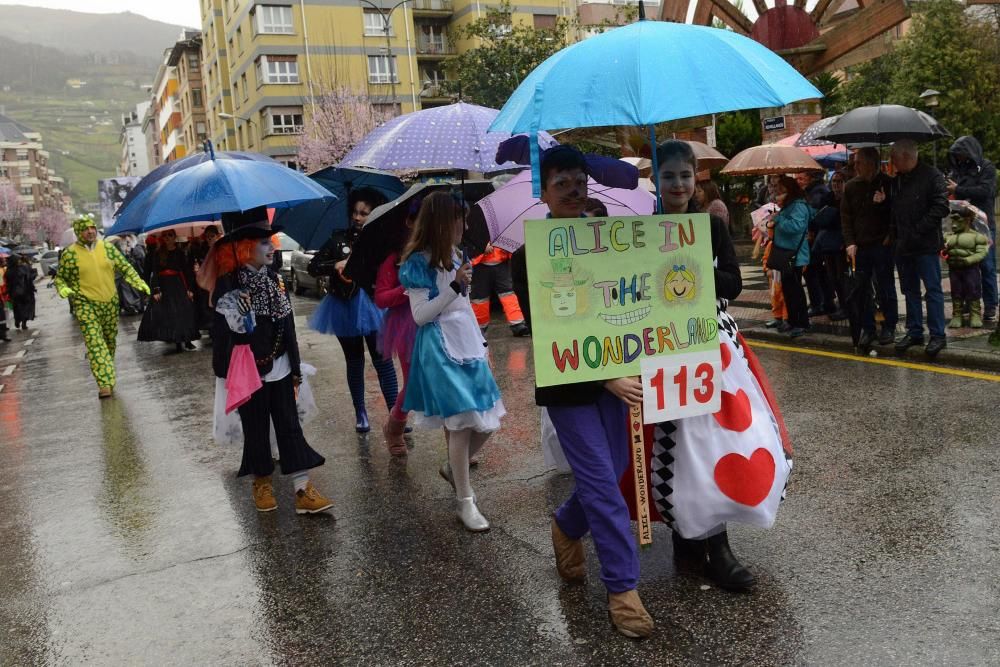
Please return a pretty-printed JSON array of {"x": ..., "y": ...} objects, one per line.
[{"x": 473, "y": 520}]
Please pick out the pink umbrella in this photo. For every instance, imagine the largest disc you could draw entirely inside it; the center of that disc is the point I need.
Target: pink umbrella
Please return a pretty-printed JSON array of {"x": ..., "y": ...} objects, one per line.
[
  {"x": 813, "y": 151},
  {"x": 506, "y": 209}
]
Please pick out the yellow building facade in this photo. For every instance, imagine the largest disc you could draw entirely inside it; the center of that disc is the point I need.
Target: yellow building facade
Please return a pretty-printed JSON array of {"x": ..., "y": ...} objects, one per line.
[{"x": 268, "y": 62}]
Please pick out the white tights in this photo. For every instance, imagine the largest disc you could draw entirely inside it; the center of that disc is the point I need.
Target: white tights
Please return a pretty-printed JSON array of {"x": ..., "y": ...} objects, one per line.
[{"x": 462, "y": 446}]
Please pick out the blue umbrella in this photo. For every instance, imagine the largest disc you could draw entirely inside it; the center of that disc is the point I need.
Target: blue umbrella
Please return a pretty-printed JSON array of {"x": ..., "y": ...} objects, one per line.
[
  {"x": 650, "y": 72},
  {"x": 211, "y": 186},
  {"x": 832, "y": 160},
  {"x": 172, "y": 167},
  {"x": 312, "y": 223}
]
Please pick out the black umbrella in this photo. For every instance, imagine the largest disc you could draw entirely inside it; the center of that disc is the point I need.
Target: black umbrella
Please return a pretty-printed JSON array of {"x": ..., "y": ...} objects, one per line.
[
  {"x": 858, "y": 299},
  {"x": 883, "y": 124},
  {"x": 386, "y": 230}
]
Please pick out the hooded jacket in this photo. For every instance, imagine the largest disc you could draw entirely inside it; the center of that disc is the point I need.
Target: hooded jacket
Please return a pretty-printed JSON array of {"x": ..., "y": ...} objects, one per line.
[{"x": 975, "y": 175}]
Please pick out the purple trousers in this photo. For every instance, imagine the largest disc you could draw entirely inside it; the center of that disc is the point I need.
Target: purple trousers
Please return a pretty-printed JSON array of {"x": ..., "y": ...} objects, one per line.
[{"x": 594, "y": 439}]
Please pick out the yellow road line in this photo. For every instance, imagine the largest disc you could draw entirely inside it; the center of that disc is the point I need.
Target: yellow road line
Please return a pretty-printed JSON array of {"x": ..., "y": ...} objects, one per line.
[{"x": 989, "y": 377}]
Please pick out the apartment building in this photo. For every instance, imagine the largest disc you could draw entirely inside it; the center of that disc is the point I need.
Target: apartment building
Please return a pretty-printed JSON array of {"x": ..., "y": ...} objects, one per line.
[
  {"x": 176, "y": 124},
  {"x": 24, "y": 162},
  {"x": 134, "y": 160},
  {"x": 276, "y": 57}
]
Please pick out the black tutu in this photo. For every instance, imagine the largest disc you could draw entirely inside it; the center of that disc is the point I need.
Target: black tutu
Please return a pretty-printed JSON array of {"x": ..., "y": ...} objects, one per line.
[{"x": 171, "y": 319}]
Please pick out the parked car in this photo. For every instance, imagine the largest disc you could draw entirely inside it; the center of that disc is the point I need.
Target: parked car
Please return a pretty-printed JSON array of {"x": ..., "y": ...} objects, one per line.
[
  {"x": 288, "y": 246},
  {"x": 296, "y": 274},
  {"x": 48, "y": 262}
]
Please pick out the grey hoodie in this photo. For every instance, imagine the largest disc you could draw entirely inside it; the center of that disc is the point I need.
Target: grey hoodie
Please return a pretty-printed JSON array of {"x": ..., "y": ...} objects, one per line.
[{"x": 976, "y": 176}]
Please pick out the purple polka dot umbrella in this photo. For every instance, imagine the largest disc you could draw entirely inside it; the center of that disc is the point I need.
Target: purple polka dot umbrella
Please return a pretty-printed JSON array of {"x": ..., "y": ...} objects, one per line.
[{"x": 452, "y": 137}]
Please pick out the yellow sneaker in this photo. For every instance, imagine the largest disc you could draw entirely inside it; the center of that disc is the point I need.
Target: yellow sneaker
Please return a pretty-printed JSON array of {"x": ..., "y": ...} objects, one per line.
[
  {"x": 263, "y": 494},
  {"x": 311, "y": 501}
]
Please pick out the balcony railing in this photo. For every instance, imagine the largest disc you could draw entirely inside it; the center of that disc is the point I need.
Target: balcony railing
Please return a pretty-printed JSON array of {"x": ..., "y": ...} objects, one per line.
[
  {"x": 426, "y": 47},
  {"x": 435, "y": 6}
]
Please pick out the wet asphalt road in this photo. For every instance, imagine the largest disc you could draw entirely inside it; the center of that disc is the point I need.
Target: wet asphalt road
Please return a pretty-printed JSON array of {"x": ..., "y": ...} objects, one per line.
[{"x": 127, "y": 539}]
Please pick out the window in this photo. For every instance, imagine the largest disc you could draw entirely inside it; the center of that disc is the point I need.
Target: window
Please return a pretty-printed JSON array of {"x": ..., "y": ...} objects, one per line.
[
  {"x": 236, "y": 92},
  {"x": 25, "y": 189},
  {"x": 22, "y": 153},
  {"x": 274, "y": 20},
  {"x": 374, "y": 26},
  {"x": 196, "y": 97},
  {"x": 388, "y": 110},
  {"x": 246, "y": 92},
  {"x": 24, "y": 172},
  {"x": 277, "y": 69},
  {"x": 194, "y": 62},
  {"x": 291, "y": 162},
  {"x": 239, "y": 39},
  {"x": 545, "y": 21},
  {"x": 285, "y": 120},
  {"x": 379, "y": 70}
]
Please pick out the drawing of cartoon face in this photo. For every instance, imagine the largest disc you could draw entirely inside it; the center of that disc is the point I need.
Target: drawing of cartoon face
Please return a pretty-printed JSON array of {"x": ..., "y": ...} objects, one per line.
[
  {"x": 563, "y": 300},
  {"x": 680, "y": 284}
]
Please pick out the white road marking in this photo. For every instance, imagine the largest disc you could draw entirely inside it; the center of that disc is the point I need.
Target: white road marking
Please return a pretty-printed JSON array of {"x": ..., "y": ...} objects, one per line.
[
  {"x": 1, "y": 388},
  {"x": 28, "y": 342},
  {"x": 19, "y": 354},
  {"x": 8, "y": 370}
]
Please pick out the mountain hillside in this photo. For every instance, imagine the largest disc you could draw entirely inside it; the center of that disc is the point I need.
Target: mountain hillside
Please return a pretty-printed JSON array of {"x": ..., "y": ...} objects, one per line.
[{"x": 82, "y": 33}]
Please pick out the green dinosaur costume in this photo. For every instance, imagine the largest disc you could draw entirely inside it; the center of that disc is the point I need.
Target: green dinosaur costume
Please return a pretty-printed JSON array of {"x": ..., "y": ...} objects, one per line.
[{"x": 86, "y": 277}]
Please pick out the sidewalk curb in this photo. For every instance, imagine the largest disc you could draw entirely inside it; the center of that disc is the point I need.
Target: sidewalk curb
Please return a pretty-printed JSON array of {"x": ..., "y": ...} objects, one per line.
[{"x": 950, "y": 356}]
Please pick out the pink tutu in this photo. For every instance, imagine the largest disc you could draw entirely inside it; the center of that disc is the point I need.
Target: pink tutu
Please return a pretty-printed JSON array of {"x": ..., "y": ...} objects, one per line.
[{"x": 397, "y": 333}]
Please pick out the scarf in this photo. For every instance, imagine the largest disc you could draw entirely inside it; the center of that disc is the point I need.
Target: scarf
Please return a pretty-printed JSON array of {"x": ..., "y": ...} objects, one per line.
[{"x": 267, "y": 298}]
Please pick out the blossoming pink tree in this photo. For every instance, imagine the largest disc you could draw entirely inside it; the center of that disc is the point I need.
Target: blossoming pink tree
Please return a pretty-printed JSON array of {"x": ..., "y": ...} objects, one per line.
[
  {"x": 49, "y": 225},
  {"x": 13, "y": 212},
  {"x": 342, "y": 118}
]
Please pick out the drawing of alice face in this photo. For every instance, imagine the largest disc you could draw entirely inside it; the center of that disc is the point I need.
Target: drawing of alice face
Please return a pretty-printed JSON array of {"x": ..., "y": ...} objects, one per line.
[
  {"x": 565, "y": 299},
  {"x": 680, "y": 284}
]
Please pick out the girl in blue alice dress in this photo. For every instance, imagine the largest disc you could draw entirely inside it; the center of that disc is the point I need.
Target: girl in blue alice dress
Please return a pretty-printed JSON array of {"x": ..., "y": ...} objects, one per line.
[{"x": 450, "y": 385}]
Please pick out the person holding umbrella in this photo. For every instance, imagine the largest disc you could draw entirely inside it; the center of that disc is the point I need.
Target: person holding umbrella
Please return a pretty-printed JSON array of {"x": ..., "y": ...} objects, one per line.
[
  {"x": 3, "y": 295},
  {"x": 253, "y": 315},
  {"x": 864, "y": 221},
  {"x": 347, "y": 311},
  {"x": 86, "y": 277}
]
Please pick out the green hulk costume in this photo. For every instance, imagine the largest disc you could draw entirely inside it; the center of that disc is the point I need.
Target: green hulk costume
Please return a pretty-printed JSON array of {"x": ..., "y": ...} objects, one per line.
[{"x": 86, "y": 276}]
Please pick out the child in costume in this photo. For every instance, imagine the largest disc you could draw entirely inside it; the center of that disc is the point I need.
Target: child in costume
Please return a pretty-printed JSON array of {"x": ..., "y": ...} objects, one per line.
[
  {"x": 450, "y": 384},
  {"x": 965, "y": 249},
  {"x": 732, "y": 465},
  {"x": 86, "y": 277},
  {"x": 398, "y": 329},
  {"x": 348, "y": 313},
  {"x": 590, "y": 420},
  {"x": 252, "y": 309}
]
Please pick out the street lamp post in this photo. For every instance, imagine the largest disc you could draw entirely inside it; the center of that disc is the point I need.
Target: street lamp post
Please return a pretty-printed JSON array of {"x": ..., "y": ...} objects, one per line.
[
  {"x": 234, "y": 117},
  {"x": 929, "y": 98},
  {"x": 387, "y": 28}
]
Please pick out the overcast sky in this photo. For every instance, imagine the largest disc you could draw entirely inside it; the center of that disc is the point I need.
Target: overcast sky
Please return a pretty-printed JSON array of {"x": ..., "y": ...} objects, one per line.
[{"x": 181, "y": 12}]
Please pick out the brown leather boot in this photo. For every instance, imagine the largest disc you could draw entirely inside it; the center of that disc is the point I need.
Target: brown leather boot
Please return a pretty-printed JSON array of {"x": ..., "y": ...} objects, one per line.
[
  {"x": 263, "y": 494},
  {"x": 569, "y": 555},
  {"x": 393, "y": 432},
  {"x": 628, "y": 615}
]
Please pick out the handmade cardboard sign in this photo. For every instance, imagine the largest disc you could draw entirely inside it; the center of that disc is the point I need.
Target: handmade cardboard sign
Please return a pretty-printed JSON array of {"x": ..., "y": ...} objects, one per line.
[{"x": 608, "y": 293}]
